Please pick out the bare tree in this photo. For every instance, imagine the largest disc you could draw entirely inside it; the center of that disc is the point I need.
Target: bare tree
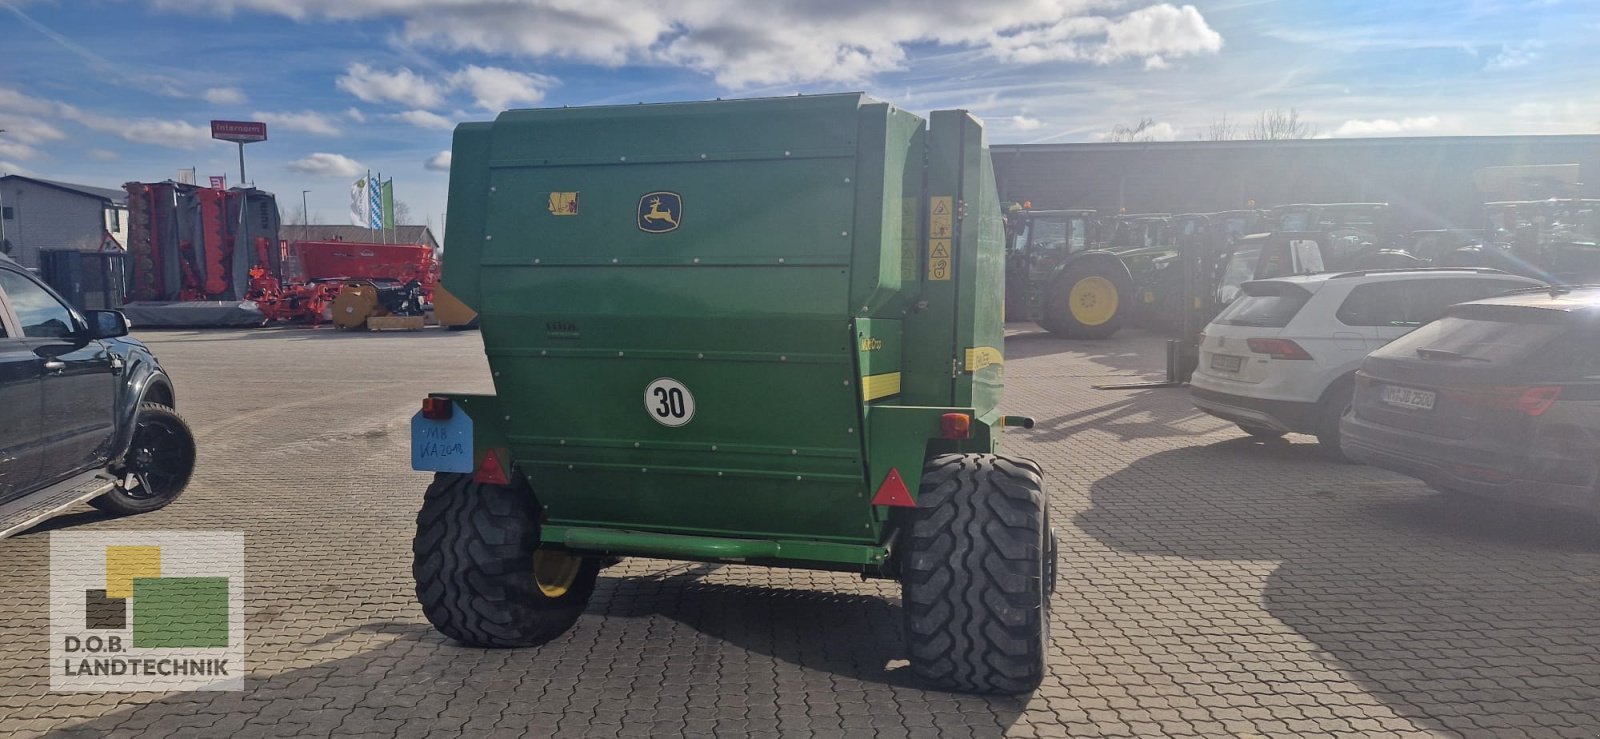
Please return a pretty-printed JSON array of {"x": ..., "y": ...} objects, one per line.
[
  {"x": 402, "y": 212},
  {"x": 1223, "y": 129},
  {"x": 1281, "y": 125},
  {"x": 1141, "y": 131}
]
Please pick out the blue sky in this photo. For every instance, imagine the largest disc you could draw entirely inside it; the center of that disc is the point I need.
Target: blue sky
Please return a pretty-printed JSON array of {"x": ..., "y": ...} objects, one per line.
[{"x": 106, "y": 91}]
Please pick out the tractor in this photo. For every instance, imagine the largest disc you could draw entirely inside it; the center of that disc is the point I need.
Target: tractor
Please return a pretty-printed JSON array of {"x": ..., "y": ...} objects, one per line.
[
  {"x": 1356, "y": 235},
  {"x": 1307, "y": 238},
  {"x": 1179, "y": 293},
  {"x": 760, "y": 332},
  {"x": 1059, "y": 275},
  {"x": 1551, "y": 240}
]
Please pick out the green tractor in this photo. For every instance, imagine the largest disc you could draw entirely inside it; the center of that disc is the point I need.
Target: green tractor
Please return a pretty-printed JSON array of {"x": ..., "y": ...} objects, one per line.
[
  {"x": 764, "y": 332},
  {"x": 1556, "y": 240},
  {"x": 1061, "y": 276},
  {"x": 1179, "y": 291}
]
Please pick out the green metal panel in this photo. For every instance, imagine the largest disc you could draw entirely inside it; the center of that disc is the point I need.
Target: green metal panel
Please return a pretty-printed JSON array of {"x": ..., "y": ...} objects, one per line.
[
  {"x": 980, "y": 313},
  {"x": 780, "y": 283},
  {"x": 955, "y": 343},
  {"x": 467, "y": 206}
]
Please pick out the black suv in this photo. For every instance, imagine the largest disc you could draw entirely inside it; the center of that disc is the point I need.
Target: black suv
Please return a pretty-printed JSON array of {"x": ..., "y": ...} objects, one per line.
[
  {"x": 86, "y": 413},
  {"x": 1501, "y": 397}
]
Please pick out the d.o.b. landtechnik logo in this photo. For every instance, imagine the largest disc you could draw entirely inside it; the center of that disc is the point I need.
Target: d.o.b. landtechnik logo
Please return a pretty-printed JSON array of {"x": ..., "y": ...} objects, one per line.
[{"x": 146, "y": 611}]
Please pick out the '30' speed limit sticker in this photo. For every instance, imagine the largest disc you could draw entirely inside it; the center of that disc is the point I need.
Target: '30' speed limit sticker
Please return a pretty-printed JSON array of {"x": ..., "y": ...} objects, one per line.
[{"x": 669, "y": 402}]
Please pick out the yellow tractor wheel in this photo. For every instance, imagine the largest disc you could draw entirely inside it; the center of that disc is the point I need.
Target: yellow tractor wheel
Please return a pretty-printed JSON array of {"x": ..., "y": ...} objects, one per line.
[{"x": 1087, "y": 301}]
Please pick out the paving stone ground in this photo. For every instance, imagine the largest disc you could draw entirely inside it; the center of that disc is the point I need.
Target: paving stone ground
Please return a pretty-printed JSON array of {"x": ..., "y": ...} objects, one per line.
[{"x": 1210, "y": 584}]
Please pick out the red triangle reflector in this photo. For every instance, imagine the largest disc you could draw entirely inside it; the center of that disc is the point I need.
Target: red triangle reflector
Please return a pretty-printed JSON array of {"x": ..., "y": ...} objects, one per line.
[
  {"x": 490, "y": 471},
  {"x": 893, "y": 491}
]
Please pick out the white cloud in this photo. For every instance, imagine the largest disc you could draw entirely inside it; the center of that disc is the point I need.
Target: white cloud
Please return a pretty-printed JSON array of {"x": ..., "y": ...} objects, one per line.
[
  {"x": 1024, "y": 123},
  {"x": 305, "y": 121},
  {"x": 155, "y": 131},
  {"x": 1158, "y": 31},
  {"x": 425, "y": 119},
  {"x": 779, "y": 42},
  {"x": 1516, "y": 55},
  {"x": 496, "y": 89},
  {"x": 28, "y": 129},
  {"x": 16, "y": 150},
  {"x": 355, "y": 114},
  {"x": 14, "y": 168},
  {"x": 16, "y": 102},
  {"x": 1389, "y": 126},
  {"x": 438, "y": 162},
  {"x": 323, "y": 164},
  {"x": 103, "y": 155},
  {"x": 398, "y": 86},
  {"x": 224, "y": 96},
  {"x": 1155, "y": 33},
  {"x": 22, "y": 119}
]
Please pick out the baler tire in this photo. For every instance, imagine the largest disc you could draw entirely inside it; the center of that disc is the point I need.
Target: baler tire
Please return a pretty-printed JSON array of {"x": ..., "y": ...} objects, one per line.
[
  {"x": 1059, "y": 318},
  {"x": 473, "y": 565},
  {"x": 973, "y": 571}
]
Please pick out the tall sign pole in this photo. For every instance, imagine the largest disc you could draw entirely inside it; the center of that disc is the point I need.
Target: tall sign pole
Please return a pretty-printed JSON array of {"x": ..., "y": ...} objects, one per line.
[{"x": 241, "y": 133}]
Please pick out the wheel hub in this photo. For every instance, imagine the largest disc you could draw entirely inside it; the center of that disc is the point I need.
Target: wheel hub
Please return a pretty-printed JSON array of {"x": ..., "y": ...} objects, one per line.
[
  {"x": 158, "y": 462},
  {"x": 555, "y": 572},
  {"x": 1093, "y": 300}
]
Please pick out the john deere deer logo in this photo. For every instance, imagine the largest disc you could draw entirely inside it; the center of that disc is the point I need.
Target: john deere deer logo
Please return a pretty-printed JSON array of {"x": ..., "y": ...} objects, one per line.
[{"x": 660, "y": 212}]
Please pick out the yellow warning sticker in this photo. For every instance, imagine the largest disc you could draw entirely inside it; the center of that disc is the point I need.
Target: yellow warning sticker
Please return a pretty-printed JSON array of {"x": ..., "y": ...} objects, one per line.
[
  {"x": 938, "y": 259},
  {"x": 979, "y": 357},
  {"x": 874, "y": 387},
  {"x": 940, "y": 212},
  {"x": 563, "y": 203}
]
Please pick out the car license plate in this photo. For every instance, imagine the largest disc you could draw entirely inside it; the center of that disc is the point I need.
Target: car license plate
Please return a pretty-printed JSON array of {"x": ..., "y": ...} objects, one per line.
[
  {"x": 1405, "y": 397},
  {"x": 1226, "y": 362}
]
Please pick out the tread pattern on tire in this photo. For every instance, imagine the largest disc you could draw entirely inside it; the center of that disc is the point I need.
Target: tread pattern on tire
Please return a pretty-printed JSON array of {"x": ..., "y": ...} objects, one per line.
[
  {"x": 120, "y": 503},
  {"x": 473, "y": 564},
  {"x": 973, "y": 593}
]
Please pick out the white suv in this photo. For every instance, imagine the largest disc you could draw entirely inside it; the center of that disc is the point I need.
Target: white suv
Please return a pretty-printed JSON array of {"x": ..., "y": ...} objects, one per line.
[{"x": 1282, "y": 357}]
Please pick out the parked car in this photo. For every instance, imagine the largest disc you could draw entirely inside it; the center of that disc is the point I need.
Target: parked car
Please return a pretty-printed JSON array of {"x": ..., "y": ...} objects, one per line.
[
  {"x": 86, "y": 413},
  {"x": 1501, "y": 397},
  {"x": 1282, "y": 358}
]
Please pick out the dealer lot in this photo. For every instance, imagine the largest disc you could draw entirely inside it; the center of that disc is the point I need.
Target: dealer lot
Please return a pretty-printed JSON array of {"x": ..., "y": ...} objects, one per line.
[{"x": 1210, "y": 584}]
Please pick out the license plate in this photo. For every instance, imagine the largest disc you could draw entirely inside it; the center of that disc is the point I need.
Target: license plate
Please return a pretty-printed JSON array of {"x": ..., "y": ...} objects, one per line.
[
  {"x": 442, "y": 446},
  {"x": 1226, "y": 362},
  {"x": 1405, "y": 397}
]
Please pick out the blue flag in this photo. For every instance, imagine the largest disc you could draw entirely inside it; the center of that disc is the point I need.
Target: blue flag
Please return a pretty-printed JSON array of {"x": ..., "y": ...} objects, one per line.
[{"x": 375, "y": 205}]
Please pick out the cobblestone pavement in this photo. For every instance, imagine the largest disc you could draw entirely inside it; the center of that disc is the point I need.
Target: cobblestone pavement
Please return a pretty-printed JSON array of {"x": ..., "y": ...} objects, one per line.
[{"x": 1210, "y": 584}]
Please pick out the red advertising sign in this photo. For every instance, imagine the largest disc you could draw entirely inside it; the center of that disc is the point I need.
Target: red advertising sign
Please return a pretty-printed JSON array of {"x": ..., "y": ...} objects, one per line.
[
  {"x": 244, "y": 132},
  {"x": 219, "y": 182}
]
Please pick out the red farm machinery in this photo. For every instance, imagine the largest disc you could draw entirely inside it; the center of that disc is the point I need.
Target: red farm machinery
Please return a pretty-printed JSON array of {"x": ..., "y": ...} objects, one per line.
[{"x": 211, "y": 257}]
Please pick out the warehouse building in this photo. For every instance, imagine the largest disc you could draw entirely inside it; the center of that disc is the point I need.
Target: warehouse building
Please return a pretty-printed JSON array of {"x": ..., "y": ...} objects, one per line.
[{"x": 43, "y": 215}]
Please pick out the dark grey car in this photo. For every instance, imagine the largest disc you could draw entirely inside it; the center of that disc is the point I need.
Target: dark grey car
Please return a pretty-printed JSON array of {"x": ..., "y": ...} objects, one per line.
[
  {"x": 1499, "y": 398},
  {"x": 86, "y": 412}
]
